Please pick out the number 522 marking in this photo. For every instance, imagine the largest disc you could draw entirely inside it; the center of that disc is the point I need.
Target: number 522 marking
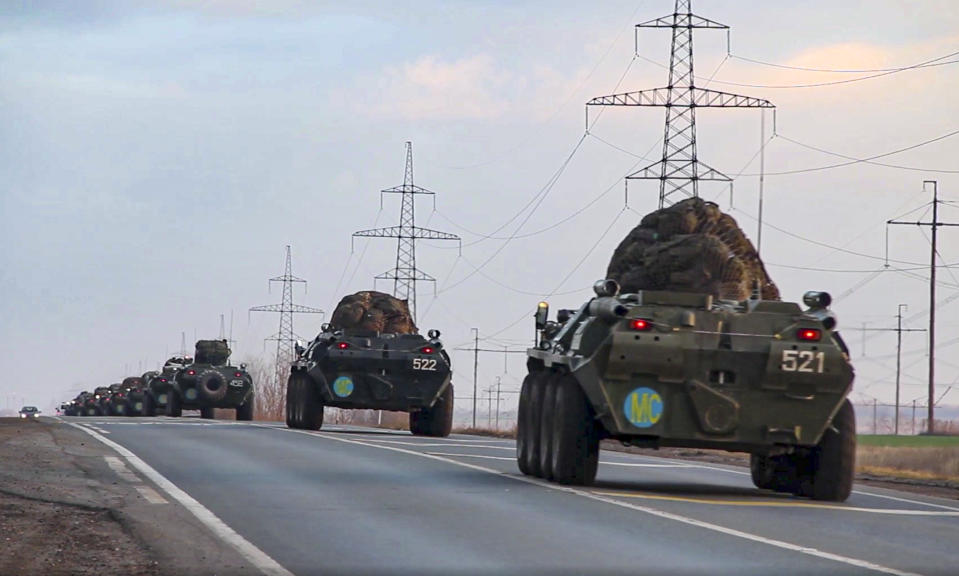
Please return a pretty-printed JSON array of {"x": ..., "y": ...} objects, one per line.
[
  {"x": 424, "y": 364},
  {"x": 802, "y": 361}
]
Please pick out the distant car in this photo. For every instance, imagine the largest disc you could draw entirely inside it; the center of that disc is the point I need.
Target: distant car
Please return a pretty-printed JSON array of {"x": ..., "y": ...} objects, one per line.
[{"x": 29, "y": 412}]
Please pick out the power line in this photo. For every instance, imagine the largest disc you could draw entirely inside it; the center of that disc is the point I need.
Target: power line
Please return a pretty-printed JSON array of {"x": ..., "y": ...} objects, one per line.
[{"x": 930, "y": 63}]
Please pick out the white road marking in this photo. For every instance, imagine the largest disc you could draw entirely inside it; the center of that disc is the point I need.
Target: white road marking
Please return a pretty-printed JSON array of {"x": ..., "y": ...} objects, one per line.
[
  {"x": 121, "y": 469},
  {"x": 473, "y": 456},
  {"x": 248, "y": 550},
  {"x": 150, "y": 495},
  {"x": 603, "y": 463},
  {"x": 438, "y": 444},
  {"x": 815, "y": 552}
]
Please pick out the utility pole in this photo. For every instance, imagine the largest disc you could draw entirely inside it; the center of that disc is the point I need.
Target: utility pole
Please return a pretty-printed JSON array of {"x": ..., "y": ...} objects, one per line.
[
  {"x": 499, "y": 383},
  {"x": 680, "y": 171},
  {"x": 898, "y": 330},
  {"x": 405, "y": 274},
  {"x": 475, "y": 369},
  {"x": 285, "y": 338},
  {"x": 489, "y": 409},
  {"x": 935, "y": 224},
  {"x": 875, "y": 416}
]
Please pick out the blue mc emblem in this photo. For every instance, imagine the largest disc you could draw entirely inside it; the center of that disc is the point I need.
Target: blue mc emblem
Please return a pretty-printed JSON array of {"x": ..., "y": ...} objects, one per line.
[
  {"x": 643, "y": 407},
  {"x": 343, "y": 386}
]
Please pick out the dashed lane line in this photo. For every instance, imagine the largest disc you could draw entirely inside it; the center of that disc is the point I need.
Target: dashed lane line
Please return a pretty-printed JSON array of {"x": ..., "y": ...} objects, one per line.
[
  {"x": 809, "y": 551},
  {"x": 775, "y": 504},
  {"x": 513, "y": 458},
  {"x": 259, "y": 559}
]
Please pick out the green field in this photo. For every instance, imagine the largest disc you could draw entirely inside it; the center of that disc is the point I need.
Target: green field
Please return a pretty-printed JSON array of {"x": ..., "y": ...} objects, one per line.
[{"x": 908, "y": 441}]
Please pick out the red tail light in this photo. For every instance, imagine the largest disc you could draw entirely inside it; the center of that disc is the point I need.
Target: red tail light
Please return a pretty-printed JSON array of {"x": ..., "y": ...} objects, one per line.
[
  {"x": 191, "y": 372},
  {"x": 238, "y": 374},
  {"x": 427, "y": 350},
  {"x": 162, "y": 379},
  {"x": 342, "y": 345},
  {"x": 809, "y": 334},
  {"x": 640, "y": 324}
]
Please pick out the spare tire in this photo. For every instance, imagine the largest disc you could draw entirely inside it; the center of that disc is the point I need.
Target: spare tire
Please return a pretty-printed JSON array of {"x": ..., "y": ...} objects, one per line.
[{"x": 211, "y": 385}]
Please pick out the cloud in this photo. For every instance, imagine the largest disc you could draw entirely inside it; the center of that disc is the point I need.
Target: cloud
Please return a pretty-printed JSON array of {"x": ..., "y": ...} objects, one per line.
[{"x": 430, "y": 87}]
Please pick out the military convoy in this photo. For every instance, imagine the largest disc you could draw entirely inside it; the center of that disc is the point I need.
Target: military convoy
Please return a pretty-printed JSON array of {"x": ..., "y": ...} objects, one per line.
[
  {"x": 356, "y": 369},
  {"x": 656, "y": 369}
]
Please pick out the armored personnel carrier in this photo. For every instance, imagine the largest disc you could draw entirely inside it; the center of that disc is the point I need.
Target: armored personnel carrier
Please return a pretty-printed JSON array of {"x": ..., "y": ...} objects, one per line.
[
  {"x": 135, "y": 392},
  {"x": 654, "y": 369},
  {"x": 358, "y": 369},
  {"x": 159, "y": 383},
  {"x": 114, "y": 403},
  {"x": 100, "y": 407},
  {"x": 211, "y": 382},
  {"x": 87, "y": 404}
]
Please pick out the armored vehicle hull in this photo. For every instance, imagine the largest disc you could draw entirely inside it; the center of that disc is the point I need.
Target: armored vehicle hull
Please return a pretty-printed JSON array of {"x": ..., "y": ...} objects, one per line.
[
  {"x": 659, "y": 369},
  {"x": 369, "y": 370},
  {"x": 211, "y": 383}
]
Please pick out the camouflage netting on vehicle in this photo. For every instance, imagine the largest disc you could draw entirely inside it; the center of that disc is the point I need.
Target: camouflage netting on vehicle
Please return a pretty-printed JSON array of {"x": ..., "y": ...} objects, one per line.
[
  {"x": 690, "y": 246},
  {"x": 212, "y": 352},
  {"x": 374, "y": 312}
]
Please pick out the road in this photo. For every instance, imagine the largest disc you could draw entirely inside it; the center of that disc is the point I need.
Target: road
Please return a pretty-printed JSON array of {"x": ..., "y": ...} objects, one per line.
[{"x": 365, "y": 501}]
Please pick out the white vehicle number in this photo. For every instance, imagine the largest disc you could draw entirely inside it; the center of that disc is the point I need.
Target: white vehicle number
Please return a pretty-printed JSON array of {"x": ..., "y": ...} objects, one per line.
[
  {"x": 803, "y": 361},
  {"x": 424, "y": 364}
]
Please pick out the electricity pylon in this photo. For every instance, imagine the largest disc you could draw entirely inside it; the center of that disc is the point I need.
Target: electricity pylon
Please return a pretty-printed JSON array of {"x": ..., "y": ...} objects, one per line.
[
  {"x": 285, "y": 339},
  {"x": 405, "y": 275},
  {"x": 680, "y": 170}
]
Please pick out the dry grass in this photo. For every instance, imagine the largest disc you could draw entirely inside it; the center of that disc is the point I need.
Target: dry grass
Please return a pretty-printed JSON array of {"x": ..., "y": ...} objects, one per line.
[{"x": 916, "y": 463}]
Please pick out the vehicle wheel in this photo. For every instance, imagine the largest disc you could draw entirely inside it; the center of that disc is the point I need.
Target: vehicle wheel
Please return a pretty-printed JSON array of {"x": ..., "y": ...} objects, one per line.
[
  {"x": 244, "y": 412},
  {"x": 149, "y": 407},
  {"x": 575, "y": 440},
  {"x": 761, "y": 469},
  {"x": 522, "y": 431},
  {"x": 833, "y": 461},
  {"x": 416, "y": 423},
  {"x": 206, "y": 412},
  {"x": 546, "y": 427},
  {"x": 307, "y": 408},
  {"x": 292, "y": 392},
  {"x": 173, "y": 406},
  {"x": 210, "y": 384},
  {"x": 439, "y": 419},
  {"x": 534, "y": 420}
]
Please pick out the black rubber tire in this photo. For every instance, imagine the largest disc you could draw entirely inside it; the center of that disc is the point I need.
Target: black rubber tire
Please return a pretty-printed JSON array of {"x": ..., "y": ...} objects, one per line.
[
  {"x": 149, "y": 406},
  {"x": 174, "y": 408},
  {"x": 416, "y": 423},
  {"x": 211, "y": 385},
  {"x": 292, "y": 392},
  {"x": 522, "y": 429},
  {"x": 244, "y": 412},
  {"x": 439, "y": 419},
  {"x": 546, "y": 427},
  {"x": 833, "y": 461},
  {"x": 761, "y": 470},
  {"x": 575, "y": 440},
  {"x": 306, "y": 406},
  {"x": 537, "y": 387},
  {"x": 206, "y": 412}
]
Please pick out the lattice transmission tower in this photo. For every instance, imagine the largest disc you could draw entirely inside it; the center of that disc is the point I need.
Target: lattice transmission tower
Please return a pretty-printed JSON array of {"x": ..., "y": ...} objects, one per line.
[
  {"x": 286, "y": 338},
  {"x": 680, "y": 170},
  {"x": 405, "y": 275}
]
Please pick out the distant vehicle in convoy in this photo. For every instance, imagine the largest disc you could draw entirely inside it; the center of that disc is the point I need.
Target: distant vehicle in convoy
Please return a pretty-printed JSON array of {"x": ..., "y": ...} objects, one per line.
[
  {"x": 135, "y": 396},
  {"x": 211, "y": 382},
  {"x": 654, "y": 369},
  {"x": 86, "y": 404},
  {"x": 29, "y": 412},
  {"x": 159, "y": 383},
  {"x": 357, "y": 369},
  {"x": 71, "y": 407},
  {"x": 97, "y": 405},
  {"x": 115, "y": 401}
]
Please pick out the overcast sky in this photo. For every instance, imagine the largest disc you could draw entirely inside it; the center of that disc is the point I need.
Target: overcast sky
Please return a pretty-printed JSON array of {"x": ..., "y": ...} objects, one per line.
[{"x": 157, "y": 157}]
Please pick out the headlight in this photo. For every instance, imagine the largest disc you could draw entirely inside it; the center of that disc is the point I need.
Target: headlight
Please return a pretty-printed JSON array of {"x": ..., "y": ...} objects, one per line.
[{"x": 23, "y": 415}]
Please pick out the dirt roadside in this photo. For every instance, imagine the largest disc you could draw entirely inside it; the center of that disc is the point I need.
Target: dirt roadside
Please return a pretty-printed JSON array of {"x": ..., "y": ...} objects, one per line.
[{"x": 64, "y": 510}]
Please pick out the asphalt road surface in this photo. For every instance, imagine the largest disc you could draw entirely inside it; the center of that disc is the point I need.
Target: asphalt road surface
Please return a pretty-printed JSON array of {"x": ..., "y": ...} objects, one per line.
[{"x": 365, "y": 501}]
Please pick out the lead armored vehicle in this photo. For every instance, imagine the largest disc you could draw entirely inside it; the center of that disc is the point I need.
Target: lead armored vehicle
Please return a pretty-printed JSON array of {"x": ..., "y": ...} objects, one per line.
[
  {"x": 655, "y": 369},
  {"x": 358, "y": 369},
  {"x": 211, "y": 382}
]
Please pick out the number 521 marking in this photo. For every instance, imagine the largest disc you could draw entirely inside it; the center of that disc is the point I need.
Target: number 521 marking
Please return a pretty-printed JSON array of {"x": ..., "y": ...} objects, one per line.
[{"x": 802, "y": 361}]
